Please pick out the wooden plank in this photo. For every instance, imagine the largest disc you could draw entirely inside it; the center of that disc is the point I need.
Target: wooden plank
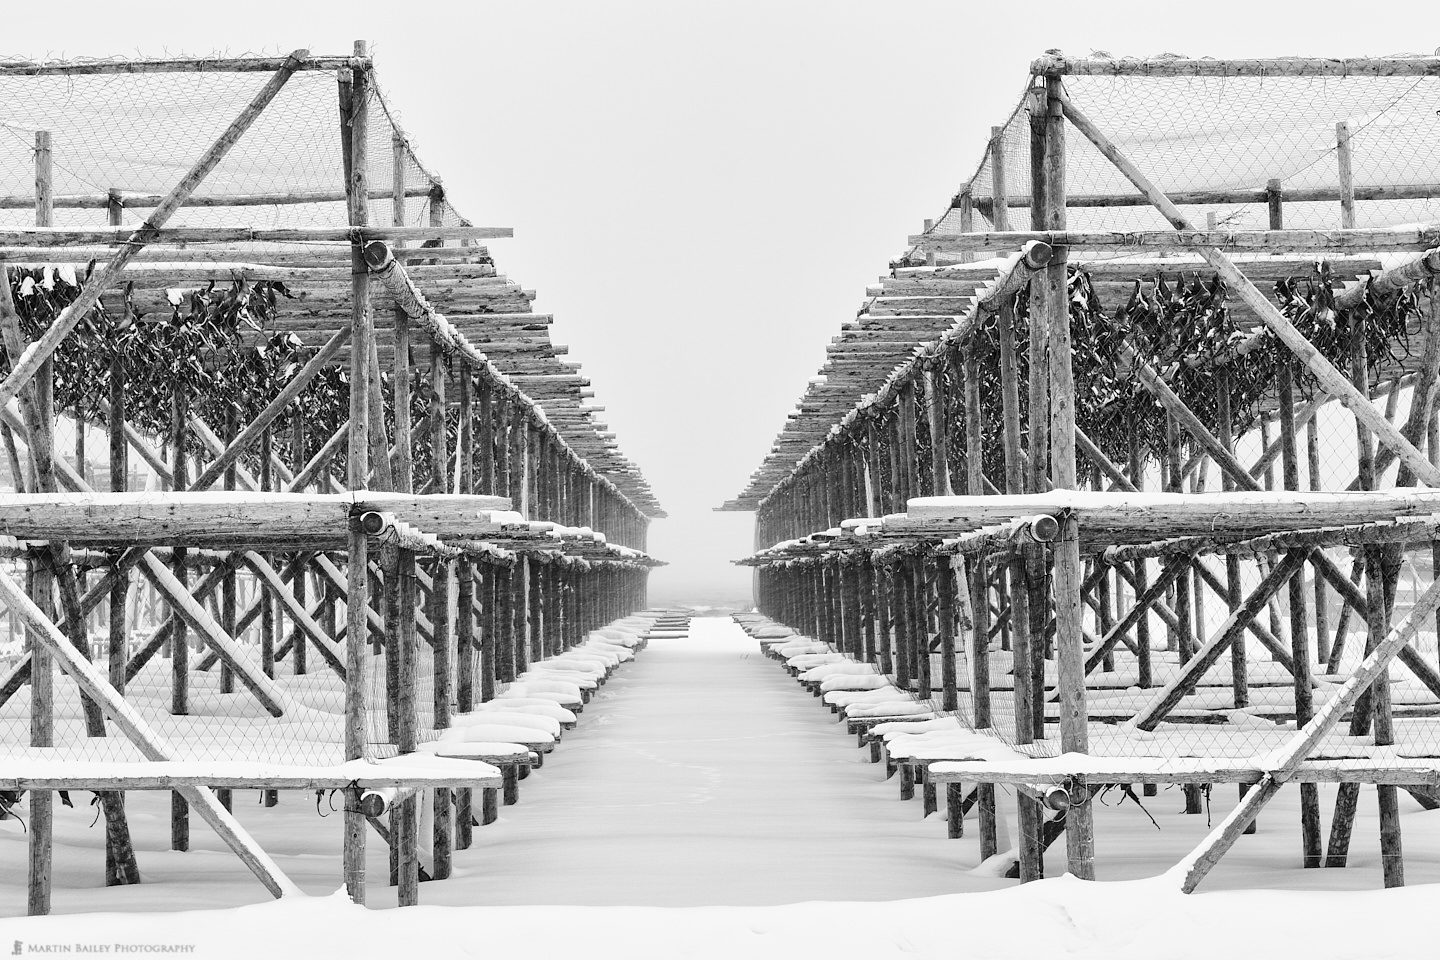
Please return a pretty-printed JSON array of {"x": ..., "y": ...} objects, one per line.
[
  {"x": 1056, "y": 65},
  {"x": 1363, "y": 239}
]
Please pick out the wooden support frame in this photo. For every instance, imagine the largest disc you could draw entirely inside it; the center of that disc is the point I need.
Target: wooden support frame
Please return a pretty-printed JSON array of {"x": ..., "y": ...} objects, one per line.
[
  {"x": 1330, "y": 380},
  {"x": 134, "y": 727}
]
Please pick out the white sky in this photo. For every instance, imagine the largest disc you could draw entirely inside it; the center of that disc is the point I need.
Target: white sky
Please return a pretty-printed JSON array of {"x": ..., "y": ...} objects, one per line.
[{"x": 700, "y": 191}]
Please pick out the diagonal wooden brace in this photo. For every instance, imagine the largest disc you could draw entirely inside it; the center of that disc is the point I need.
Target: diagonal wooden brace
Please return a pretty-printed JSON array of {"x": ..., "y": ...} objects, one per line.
[
  {"x": 1331, "y": 380},
  {"x": 139, "y": 732},
  {"x": 1177, "y": 689},
  {"x": 1286, "y": 760},
  {"x": 24, "y": 367}
]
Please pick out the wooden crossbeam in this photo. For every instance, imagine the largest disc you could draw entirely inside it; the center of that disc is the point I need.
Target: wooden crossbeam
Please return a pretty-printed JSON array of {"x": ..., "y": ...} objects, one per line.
[{"x": 1190, "y": 673}]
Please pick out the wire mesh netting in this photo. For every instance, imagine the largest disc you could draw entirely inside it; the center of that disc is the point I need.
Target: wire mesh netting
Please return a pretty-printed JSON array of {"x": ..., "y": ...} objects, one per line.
[
  {"x": 138, "y": 134},
  {"x": 1225, "y": 134},
  {"x": 117, "y": 143}
]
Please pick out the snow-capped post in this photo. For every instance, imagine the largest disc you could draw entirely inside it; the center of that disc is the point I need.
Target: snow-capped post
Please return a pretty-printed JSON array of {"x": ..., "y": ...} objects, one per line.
[
  {"x": 354, "y": 94},
  {"x": 1069, "y": 635}
]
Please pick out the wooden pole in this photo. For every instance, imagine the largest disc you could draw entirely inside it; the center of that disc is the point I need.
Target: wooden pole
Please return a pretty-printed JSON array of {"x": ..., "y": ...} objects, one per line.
[
  {"x": 999, "y": 189},
  {"x": 443, "y": 652},
  {"x": 179, "y": 640},
  {"x": 1347, "y": 177},
  {"x": 939, "y": 440},
  {"x": 1069, "y": 633},
  {"x": 121, "y": 865},
  {"x": 1299, "y": 627},
  {"x": 354, "y": 100}
]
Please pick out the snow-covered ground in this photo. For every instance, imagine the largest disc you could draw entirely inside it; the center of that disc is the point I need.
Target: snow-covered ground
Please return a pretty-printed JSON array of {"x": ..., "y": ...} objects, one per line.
[{"x": 700, "y": 809}]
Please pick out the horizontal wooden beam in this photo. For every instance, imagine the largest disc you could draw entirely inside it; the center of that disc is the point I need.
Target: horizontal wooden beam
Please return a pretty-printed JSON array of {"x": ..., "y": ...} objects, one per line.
[
  {"x": 1416, "y": 191},
  {"x": 82, "y": 68},
  {"x": 1401, "y": 771},
  {"x": 55, "y": 236},
  {"x": 1052, "y": 65},
  {"x": 1377, "y": 239},
  {"x": 129, "y": 200}
]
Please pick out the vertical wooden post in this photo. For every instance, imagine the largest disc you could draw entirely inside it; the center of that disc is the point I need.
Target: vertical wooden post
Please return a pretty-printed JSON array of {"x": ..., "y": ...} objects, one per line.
[
  {"x": 909, "y": 472},
  {"x": 1321, "y": 590},
  {"x": 1299, "y": 628},
  {"x": 179, "y": 640},
  {"x": 119, "y": 475},
  {"x": 299, "y": 642},
  {"x": 999, "y": 190},
  {"x": 1143, "y": 666},
  {"x": 1374, "y": 707},
  {"x": 406, "y": 829},
  {"x": 967, "y": 218},
  {"x": 40, "y": 838},
  {"x": 939, "y": 441},
  {"x": 41, "y": 833},
  {"x": 1069, "y": 633},
  {"x": 1028, "y": 810},
  {"x": 1038, "y": 384},
  {"x": 464, "y": 567},
  {"x": 228, "y": 584},
  {"x": 121, "y": 867},
  {"x": 266, "y": 600},
  {"x": 354, "y": 101},
  {"x": 1240, "y": 681},
  {"x": 1343, "y": 134}
]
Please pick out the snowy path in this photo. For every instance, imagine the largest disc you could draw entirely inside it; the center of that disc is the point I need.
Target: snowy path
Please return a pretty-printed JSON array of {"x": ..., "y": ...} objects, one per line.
[{"x": 702, "y": 774}]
